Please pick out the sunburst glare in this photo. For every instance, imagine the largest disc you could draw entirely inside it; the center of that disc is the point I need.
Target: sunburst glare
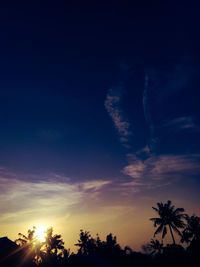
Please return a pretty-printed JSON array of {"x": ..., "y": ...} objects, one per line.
[{"x": 40, "y": 233}]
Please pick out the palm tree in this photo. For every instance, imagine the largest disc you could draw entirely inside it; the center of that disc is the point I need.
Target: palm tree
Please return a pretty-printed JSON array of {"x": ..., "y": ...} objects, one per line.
[
  {"x": 154, "y": 247},
  {"x": 192, "y": 229},
  {"x": 24, "y": 240},
  {"x": 53, "y": 243},
  {"x": 28, "y": 246},
  {"x": 86, "y": 243},
  {"x": 168, "y": 216}
]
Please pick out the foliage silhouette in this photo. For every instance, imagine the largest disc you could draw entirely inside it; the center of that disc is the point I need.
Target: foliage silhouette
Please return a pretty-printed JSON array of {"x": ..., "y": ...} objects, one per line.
[
  {"x": 53, "y": 249},
  {"x": 86, "y": 244},
  {"x": 26, "y": 240},
  {"x": 192, "y": 229},
  {"x": 29, "y": 246},
  {"x": 168, "y": 216},
  {"x": 154, "y": 247},
  {"x": 30, "y": 252},
  {"x": 53, "y": 243}
]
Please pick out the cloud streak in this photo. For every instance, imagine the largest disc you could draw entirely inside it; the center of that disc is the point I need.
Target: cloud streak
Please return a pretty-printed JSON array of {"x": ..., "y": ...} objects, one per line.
[
  {"x": 24, "y": 200},
  {"x": 113, "y": 107},
  {"x": 162, "y": 167},
  {"x": 182, "y": 123}
]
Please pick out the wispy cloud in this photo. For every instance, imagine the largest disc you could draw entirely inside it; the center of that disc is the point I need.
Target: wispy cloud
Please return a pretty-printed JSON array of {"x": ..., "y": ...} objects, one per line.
[
  {"x": 181, "y": 123},
  {"x": 24, "y": 200},
  {"x": 113, "y": 107},
  {"x": 163, "y": 167}
]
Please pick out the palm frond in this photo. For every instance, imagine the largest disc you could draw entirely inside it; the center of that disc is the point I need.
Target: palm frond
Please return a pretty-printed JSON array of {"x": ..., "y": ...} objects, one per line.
[
  {"x": 155, "y": 209},
  {"x": 176, "y": 230},
  {"x": 159, "y": 229},
  {"x": 164, "y": 232}
]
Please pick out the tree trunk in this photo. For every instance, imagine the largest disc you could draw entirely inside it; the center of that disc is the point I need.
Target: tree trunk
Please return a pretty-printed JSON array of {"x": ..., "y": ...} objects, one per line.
[{"x": 172, "y": 234}]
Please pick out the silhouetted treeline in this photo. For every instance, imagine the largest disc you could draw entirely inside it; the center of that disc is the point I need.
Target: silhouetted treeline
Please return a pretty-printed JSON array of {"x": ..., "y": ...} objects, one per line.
[{"x": 184, "y": 251}]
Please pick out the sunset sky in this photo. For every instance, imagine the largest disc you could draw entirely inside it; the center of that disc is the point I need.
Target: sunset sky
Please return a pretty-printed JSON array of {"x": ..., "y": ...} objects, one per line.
[{"x": 100, "y": 117}]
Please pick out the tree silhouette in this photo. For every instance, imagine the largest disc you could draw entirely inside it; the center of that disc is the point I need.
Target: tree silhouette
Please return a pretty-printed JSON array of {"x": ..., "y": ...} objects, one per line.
[
  {"x": 29, "y": 246},
  {"x": 127, "y": 250},
  {"x": 111, "y": 247},
  {"x": 111, "y": 240},
  {"x": 192, "y": 229},
  {"x": 154, "y": 247},
  {"x": 168, "y": 216},
  {"x": 53, "y": 244},
  {"x": 31, "y": 252},
  {"x": 50, "y": 252},
  {"x": 111, "y": 243},
  {"x": 86, "y": 243},
  {"x": 24, "y": 240}
]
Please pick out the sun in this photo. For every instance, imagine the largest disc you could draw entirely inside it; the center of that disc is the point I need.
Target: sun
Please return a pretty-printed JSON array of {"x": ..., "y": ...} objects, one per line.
[{"x": 40, "y": 233}]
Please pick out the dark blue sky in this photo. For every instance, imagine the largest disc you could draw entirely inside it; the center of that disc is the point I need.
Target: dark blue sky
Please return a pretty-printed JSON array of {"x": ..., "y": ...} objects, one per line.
[{"x": 57, "y": 65}]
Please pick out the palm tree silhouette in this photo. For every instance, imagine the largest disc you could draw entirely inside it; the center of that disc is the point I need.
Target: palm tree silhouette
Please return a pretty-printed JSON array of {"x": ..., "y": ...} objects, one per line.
[
  {"x": 24, "y": 240},
  {"x": 168, "y": 216},
  {"x": 154, "y": 247},
  {"x": 86, "y": 243},
  {"x": 29, "y": 246},
  {"x": 53, "y": 243},
  {"x": 192, "y": 229}
]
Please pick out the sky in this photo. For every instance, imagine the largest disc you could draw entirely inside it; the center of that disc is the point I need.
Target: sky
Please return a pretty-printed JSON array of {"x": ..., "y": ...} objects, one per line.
[{"x": 100, "y": 117}]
